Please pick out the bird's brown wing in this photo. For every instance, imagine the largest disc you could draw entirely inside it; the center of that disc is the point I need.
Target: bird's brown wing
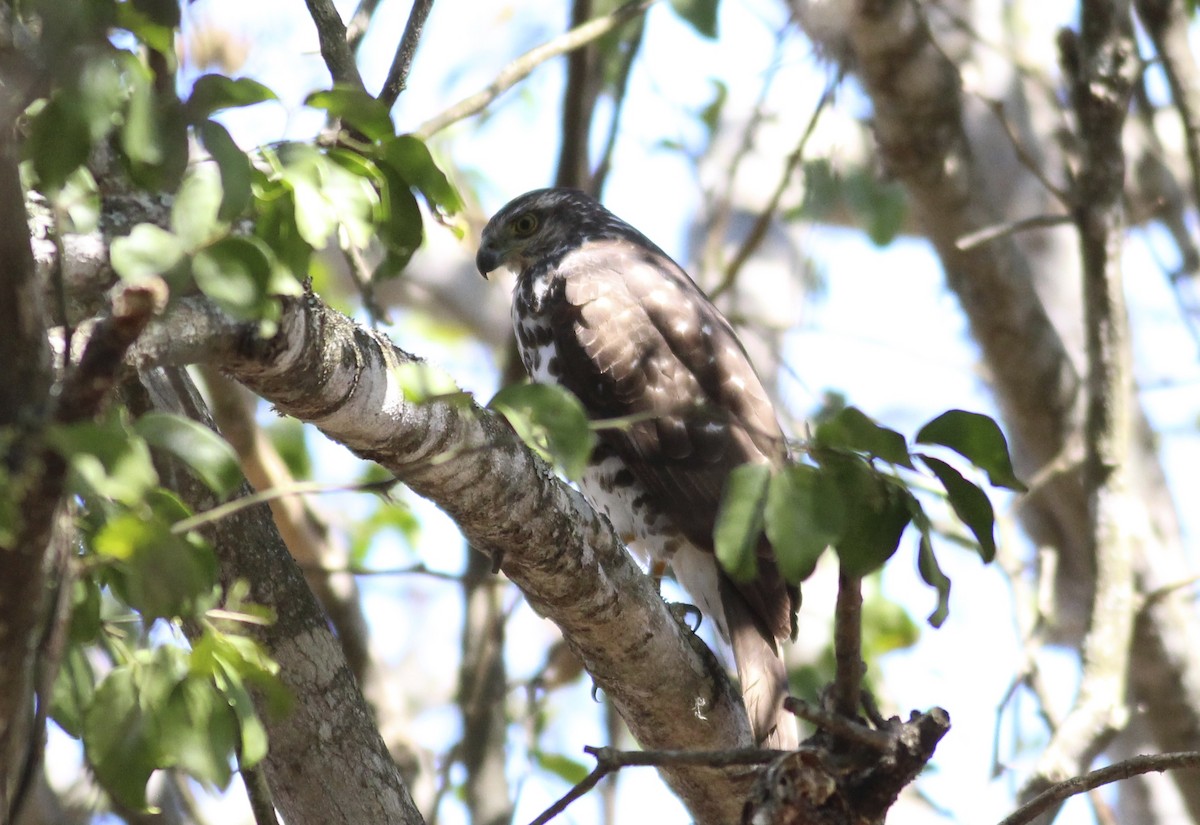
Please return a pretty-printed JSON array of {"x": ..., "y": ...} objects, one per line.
[{"x": 637, "y": 339}]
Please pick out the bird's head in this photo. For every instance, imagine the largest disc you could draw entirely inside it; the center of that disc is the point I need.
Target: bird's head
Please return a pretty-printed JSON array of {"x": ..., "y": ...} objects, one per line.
[{"x": 541, "y": 226}]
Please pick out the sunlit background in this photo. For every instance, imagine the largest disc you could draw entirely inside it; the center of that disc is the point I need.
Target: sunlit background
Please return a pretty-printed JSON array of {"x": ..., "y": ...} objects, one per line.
[{"x": 876, "y": 325}]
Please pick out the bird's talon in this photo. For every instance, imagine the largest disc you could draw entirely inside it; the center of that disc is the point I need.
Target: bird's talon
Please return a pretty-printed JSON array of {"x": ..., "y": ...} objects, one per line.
[{"x": 683, "y": 612}]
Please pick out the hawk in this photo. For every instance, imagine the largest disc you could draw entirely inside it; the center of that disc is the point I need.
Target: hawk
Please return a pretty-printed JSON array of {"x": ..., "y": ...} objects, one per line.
[{"x": 603, "y": 312}]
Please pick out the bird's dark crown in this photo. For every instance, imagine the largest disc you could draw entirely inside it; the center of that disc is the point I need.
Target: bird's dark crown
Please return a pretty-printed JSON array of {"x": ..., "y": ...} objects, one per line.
[{"x": 541, "y": 226}]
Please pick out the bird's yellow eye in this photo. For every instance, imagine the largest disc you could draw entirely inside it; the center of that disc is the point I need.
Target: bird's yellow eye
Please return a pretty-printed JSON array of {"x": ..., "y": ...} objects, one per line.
[{"x": 525, "y": 225}]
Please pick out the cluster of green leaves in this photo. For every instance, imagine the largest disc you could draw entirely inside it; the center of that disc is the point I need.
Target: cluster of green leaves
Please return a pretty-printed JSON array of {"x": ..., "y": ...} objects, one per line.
[
  {"x": 137, "y": 709},
  {"x": 858, "y": 492},
  {"x": 295, "y": 196}
]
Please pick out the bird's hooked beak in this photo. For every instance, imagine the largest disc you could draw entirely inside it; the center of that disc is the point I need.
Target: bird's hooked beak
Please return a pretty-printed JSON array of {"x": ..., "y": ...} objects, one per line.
[{"x": 487, "y": 259}]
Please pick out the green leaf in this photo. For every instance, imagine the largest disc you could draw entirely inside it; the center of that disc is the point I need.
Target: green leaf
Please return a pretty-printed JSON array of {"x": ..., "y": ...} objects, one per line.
[
  {"x": 194, "y": 212},
  {"x": 886, "y": 627},
  {"x": 410, "y": 158},
  {"x": 233, "y": 165},
  {"x": 701, "y": 14},
  {"x": 881, "y": 205},
  {"x": 119, "y": 735},
  {"x": 422, "y": 382},
  {"x": 356, "y": 108},
  {"x": 350, "y": 187},
  {"x": 932, "y": 574},
  {"x": 551, "y": 421},
  {"x": 564, "y": 767},
  {"x": 710, "y": 115},
  {"x": 146, "y": 251},
  {"x": 976, "y": 438},
  {"x": 852, "y": 429},
  {"x": 276, "y": 226},
  {"x": 154, "y": 134},
  {"x": 214, "y": 92},
  {"x": 804, "y": 515},
  {"x": 970, "y": 504},
  {"x": 233, "y": 662},
  {"x": 236, "y": 273},
  {"x": 304, "y": 172},
  {"x": 140, "y": 137},
  {"x": 73, "y": 691},
  {"x": 102, "y": 92},
  {"x": 740, "y": 520},
  {"x": 79, "y": 201},
  {"x": 85, "y": 610},
  {"x": 822, "y": 191},
  {"x": 107, "y": 459},
  {"x": 147, "y": 27},
  {"x": 161, "y": 575},
  {"x": 401, "y": 227},
  {"x": 876, "y": 511},
  {"x": 59, "y": 140},
  {"x": 198, "y": 732},
  {"x": 164, "y": 13},
  {"x": 209, "y": 455}
]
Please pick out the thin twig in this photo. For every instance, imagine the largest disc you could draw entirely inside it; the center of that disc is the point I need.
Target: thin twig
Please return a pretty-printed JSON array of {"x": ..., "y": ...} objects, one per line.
[
  {"x": 360, "y": 273},
  {"x": 717, "y": 223},
  {"x": 335, "y": 50},
  {"x": 840, "y": 726},
  {"x": 259, "y": 792},
  {"x": 1126, "y": 769},
  {"x": 397, "y": 79},
  {"x": 420, "y": 569},
  {"x": 1002, "y": 230},
  {"x": 609, "y": 760},
  {"x": 300, "y": 488},
  {"x": 360, "y": 21},
  {"x": 520, "y": 68},
  {"x": 1024, "y": 155},
  {"x": 634, "y": 45},
  {"x": 763, "y": 222}
]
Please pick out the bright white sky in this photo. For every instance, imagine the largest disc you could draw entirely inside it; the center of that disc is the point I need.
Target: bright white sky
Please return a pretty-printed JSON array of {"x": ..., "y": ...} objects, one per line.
[{"x": 887, "y": 334}]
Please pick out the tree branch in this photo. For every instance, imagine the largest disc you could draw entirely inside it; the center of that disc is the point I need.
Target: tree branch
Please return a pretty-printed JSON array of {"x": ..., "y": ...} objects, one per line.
[
  {"x": 520, "y": 68},
  {"x": 335, "y": 48},
  {"x": 1099, "y": 65},
  {"x": 397, "y": 79},
  {"x": 1053, "y": 796},
  {"x": 847, "y": 646},
  {"x": 921, "y": 133},
  {"x": 323, "y": 368}
]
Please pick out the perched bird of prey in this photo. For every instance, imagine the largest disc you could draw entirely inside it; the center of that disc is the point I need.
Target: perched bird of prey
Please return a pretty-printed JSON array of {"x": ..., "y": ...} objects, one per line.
[{"x": 602, "y": 311}]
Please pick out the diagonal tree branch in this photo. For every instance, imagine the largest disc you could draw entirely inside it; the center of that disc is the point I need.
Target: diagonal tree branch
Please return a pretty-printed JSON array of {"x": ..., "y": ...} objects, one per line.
[
  {"x": 520, "y": 68},
  {"x": 572, "y": 569}
]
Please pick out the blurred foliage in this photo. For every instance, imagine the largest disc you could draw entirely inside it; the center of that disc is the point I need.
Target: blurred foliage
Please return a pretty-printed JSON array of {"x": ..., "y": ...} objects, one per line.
[
  {"x": 857, "y": 491},
  {"x": 243, "y": 229}
]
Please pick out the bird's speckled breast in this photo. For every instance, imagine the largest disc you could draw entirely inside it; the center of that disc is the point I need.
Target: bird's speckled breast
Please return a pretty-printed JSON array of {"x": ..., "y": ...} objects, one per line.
[{"x": 607, "y": 483}]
